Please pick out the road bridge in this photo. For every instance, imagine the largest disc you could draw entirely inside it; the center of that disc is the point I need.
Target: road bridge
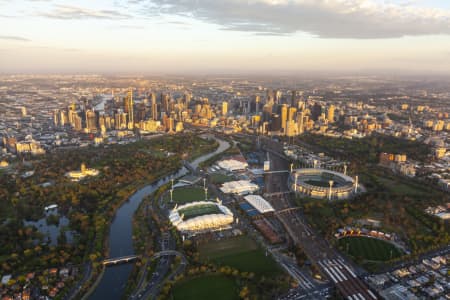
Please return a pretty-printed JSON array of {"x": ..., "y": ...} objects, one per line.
[
  {"x": 120, "y": 260},
  {"x": 276, "y": 194}
]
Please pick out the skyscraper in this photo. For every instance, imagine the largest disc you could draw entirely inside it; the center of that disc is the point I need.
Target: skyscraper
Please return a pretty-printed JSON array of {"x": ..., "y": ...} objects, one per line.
[
  {"x": 128, "y": 106},
  {"x": 294, "y": 99},
  {"x": 91, "y": 121},
  {"x": 291, "y": 113},
  {"x": 257, "y": 101},
  {"x": 300, "y": 122},
  {"x": 154, "y": 109},
  {"x": 284, "y": 115},
  {"x": 316, "y": 111},
  {"x": 224, "y": 108},
  {"x": 186, "y": 100},
  {"x": 165, "y": 103},
  {"x": 330, "y": 115}
]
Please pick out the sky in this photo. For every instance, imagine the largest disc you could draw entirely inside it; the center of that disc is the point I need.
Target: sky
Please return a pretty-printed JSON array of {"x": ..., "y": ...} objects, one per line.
[{"x": 190, "y": 36}]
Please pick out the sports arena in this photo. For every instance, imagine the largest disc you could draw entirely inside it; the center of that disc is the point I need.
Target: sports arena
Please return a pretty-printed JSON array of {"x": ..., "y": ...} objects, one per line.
[
  {"x": 200, "y": 216},
  {"x": 323, "y": 184}
]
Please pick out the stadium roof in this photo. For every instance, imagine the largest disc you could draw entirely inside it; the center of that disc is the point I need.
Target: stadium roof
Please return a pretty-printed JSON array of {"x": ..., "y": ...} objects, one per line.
[
  {"x": 259, "y": 203},
  {"x": 239, "y": 187},
  {"x": 232, "y": 165}
]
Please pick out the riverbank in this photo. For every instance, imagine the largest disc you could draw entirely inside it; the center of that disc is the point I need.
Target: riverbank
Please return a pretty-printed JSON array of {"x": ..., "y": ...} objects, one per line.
[{"x": 114, "y": 280}]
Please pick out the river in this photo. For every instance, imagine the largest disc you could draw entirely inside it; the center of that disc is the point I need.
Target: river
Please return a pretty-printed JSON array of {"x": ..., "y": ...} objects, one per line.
[{"x": 114, "y": 280}]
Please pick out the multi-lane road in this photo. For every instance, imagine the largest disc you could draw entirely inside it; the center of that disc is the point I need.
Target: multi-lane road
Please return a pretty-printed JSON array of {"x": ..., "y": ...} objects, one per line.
[{"x": 329, "y": 262}]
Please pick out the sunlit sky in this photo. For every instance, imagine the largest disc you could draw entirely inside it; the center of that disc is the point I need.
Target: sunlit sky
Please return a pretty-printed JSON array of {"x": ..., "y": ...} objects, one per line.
[{"x": 179, "y": 36}]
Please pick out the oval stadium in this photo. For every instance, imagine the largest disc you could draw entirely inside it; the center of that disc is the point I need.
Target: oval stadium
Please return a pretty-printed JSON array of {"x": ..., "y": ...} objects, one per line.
[
  {"x": 323, "y": 184},
  {"x": 200, "y": 216}
]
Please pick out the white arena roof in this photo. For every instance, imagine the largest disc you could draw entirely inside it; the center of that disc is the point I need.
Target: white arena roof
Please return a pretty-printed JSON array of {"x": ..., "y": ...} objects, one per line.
[
  {"x": 232, "y": 165},
  {"x": 240, "y": 187},
  {"x": 259, "y": 203}
]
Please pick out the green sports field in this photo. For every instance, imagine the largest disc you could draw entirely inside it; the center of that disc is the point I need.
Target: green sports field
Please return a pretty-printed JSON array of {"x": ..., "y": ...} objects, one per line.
[
  {"x": 186, "y": 195},
  {"x": 241, "y": 253},
  {"x": 216, "y": 287},
  {"x": 199, "y": 210},
  {"x": 369, "y": 248}
]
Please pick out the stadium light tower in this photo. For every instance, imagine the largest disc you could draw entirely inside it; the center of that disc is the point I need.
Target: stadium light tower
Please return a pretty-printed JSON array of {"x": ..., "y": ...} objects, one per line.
[
  {"x": 295, "y": 181},
  {"x": 331, "y": 185}
]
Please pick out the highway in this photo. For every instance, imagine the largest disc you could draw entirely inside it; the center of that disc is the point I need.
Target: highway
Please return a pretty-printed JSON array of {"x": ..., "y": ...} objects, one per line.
[{"x": 330, "y": 263}]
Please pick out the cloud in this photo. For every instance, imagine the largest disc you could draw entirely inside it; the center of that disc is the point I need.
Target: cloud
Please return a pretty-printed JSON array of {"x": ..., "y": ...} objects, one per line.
[
  {"x": 65, "y": 12},
  {"x": 14, "y": 38},
  {"x": 358, "y": 19}
]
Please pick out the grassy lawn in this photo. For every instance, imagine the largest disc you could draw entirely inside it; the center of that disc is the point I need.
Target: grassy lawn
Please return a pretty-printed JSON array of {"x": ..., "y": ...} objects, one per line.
[
  {"x": 186, "y": 195},
  {"x": 241, "y": 253},
  {"x": 369, "y": 248},
  {"x": 218, "y": 178},
  {"x": 217, "y": 287}
]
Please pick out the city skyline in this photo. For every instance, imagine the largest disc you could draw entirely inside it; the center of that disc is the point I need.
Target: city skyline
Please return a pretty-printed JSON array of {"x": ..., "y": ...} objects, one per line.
[{"x": 233, "y": 36}]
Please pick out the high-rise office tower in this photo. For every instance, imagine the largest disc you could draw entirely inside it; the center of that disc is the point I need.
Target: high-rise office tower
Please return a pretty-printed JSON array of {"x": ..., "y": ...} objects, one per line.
[
  {"x": 91, "y": 120},
  {"x": 56, "y": 117},
  {"x": 294, "y": 99},
  {"x": 291, "y": 113},
  {"x": 165, "y": 99},
  {"x": 154, "y": 109},
  {"x": 316, "y": 111},
  {"x": 267, "y": 112},
  {"x": 284, "y": 115},
  {"x": 141, "y": 112},
  {"x": 278, "y": 95},
  {"x": 128, "y": 106},
  {"x": 152, "y": 98},
  {"x": 275, "y": 122},
  {"x": 77, "y": 125},
  {"x": 330, "y": 115},
  {"x": 120, "y": 120},
  {"x": 300, "y": 122},
  {"x": 63, "y": 118},
  {"x": 269, "y": 96},
  {"x": 257, "y": 101},
  {"x": 186, "y": 100},
  {"x": 224, "y": 108}
]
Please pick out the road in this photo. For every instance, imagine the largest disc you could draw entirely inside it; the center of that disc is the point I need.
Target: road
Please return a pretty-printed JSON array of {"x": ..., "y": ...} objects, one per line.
[{"x": 329, "y": 262}]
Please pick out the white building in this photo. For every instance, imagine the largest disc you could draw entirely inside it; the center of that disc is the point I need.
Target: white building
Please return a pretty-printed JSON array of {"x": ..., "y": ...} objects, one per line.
[
  {"x": 202, "y": 222},
  {"x": 240, "y": 187},
  {"x": 259, "y": 203},
  {"x": 232, "y": 165}
]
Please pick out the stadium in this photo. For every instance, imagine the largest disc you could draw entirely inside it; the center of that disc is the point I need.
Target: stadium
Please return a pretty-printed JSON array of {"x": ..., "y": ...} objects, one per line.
[
  {"x": 323, "y": 184},
  {"x": 200, "y": 216}
]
